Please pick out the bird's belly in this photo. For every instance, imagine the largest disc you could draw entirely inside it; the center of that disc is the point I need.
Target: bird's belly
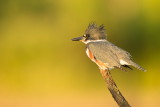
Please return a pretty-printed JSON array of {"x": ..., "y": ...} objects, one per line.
[{"x": 99, "y": 63}]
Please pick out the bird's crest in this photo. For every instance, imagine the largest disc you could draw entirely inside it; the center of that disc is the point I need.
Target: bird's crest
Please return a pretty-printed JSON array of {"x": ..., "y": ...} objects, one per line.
[
  {"x": 98, "y": 31},
  {"x": 93, "y": 26}
]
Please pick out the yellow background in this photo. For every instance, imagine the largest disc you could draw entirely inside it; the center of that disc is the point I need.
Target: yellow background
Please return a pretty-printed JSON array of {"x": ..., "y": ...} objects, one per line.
[{"x": 41, "y": 67}]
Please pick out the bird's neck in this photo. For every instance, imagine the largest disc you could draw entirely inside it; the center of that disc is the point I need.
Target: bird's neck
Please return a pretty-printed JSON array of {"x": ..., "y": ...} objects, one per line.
[{"x": 88, "y": 41}]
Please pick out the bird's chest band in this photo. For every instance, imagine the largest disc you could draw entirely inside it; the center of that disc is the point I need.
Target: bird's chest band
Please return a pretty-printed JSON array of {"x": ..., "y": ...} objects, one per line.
[{"x": 91, "y": 56}]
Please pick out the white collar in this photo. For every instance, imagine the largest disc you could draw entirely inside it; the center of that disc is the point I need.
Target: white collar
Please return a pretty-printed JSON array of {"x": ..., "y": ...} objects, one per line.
[{"x": 88, "y": 41}]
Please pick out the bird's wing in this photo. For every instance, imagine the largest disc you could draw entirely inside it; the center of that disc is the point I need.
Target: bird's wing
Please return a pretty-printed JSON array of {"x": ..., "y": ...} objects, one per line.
[
  {"x": 104, "y": 54},
  {"x": 124, "y": 57},
  {"x": 121, "y": 54}
]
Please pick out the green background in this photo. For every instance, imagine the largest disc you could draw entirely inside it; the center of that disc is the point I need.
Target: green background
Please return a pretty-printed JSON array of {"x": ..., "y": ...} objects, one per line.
[{"x": 41, "y": 67}]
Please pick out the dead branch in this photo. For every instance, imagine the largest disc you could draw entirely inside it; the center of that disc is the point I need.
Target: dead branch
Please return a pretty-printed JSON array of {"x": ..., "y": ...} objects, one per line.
[{"x": 111, "y": 85}]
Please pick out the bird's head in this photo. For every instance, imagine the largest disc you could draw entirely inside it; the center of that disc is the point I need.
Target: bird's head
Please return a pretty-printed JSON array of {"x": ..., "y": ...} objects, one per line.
[{"x": 92, "y": 33}]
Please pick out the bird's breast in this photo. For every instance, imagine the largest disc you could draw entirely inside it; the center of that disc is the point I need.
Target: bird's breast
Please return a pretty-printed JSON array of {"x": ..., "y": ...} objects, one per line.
[
  {"x": 92, "y": 57},
  {"x": 90, "y": 54}
]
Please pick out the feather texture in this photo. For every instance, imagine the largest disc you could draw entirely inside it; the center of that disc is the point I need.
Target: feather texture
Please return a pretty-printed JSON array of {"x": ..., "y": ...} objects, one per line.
[{"x": 107, "y": 52}]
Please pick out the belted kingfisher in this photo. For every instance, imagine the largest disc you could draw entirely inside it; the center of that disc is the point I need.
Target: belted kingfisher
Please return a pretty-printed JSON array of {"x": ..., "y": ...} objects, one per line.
[{"x": 105, "y": 54}]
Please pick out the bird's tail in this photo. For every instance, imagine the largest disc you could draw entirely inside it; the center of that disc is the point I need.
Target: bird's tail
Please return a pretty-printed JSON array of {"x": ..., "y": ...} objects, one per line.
[{"x": 137, "y": 66}]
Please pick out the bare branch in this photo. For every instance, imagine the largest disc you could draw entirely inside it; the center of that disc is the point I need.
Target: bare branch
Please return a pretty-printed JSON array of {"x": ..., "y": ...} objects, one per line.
[{"x": 111, "y": 85}]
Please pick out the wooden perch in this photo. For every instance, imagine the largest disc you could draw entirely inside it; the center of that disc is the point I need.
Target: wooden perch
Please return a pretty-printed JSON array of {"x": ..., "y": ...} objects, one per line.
[{"x": 111, "y": 85}]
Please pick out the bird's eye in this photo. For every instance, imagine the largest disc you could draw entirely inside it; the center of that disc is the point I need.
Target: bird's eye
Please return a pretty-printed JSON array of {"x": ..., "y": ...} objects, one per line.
[{"x": 86, "y": 35}]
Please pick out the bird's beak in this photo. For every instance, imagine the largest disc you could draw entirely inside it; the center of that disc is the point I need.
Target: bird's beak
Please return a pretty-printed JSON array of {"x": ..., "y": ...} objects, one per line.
[{"x": 77, "y": 39}]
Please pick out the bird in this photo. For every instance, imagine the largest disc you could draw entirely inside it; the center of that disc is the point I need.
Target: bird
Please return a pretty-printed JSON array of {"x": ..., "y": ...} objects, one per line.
[{"x": 104, "y": 53}]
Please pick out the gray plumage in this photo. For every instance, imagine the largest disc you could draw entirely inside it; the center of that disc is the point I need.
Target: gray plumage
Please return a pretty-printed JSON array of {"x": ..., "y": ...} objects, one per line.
[{"x": 107, "y": 52}]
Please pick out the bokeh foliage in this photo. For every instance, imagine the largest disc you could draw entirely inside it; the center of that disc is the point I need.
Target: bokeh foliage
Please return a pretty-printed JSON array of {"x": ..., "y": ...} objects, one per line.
[{"x": 39, "y": 64}]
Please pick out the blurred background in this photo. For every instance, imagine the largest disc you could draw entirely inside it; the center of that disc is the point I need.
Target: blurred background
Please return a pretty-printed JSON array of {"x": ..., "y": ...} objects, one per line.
[{"x": 41, "y": 67}]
